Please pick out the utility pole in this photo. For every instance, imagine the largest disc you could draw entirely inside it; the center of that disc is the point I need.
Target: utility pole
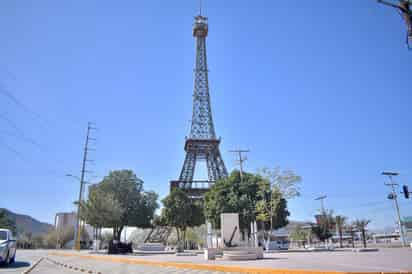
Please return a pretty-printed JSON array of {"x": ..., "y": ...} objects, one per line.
[
  {"x": 394, "y": 197},
  {"x": 77, "y": 229},
  {"x": 241, "y": 160},
  {"x": 322, "y": 206}
]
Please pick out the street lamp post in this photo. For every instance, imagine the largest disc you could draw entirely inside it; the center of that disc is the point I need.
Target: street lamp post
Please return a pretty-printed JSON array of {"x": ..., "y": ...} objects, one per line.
[
  {"x": 323, "y": 212},
  {"x": 393, "y": 196},
  {"x": 322, "y": 206}
]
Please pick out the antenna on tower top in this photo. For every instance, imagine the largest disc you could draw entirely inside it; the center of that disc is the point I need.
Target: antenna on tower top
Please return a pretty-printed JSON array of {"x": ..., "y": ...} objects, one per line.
[{"x": 200, "y": 7}]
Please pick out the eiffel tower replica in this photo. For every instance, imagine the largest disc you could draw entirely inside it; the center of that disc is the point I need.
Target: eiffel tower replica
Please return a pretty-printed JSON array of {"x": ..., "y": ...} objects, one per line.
[{"x": 202, "y": 144}]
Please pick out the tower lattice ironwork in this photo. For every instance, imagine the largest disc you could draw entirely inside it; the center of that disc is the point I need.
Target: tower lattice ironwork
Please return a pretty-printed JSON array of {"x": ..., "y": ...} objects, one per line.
[{"x": 202, "y": 144}]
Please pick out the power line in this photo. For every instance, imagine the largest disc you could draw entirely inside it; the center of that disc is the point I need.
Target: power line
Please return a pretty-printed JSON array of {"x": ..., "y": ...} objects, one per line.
[
  {"x": 17, "y": 102},
  {"x": 20, "y": 132},
  {"x": 11, "y": 149},
  {"x": 23, "y": 138},
  {"x": 10, "y": 74},
  {"x": 28, "y": 162},
  {"x": 44, "y": 122}
]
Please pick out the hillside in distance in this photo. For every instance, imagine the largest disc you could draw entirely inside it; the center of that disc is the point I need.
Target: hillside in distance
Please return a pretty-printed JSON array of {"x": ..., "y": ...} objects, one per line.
[{"x": 27, "y": 224}]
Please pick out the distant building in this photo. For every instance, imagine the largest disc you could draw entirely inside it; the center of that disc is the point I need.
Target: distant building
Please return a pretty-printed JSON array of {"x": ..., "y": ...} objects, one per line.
[
  {"x": 386, "y": 238},
  {"x": 64, "y": 220},
  {"x": 407, "y": 222}
]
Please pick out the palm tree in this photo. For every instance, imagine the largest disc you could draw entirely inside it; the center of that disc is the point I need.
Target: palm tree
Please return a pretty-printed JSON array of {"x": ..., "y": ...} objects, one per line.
[
  {"x": 352, "y": 234},
  {"x": 340, "y": 223},
  {"x": 361, "y": 225}
]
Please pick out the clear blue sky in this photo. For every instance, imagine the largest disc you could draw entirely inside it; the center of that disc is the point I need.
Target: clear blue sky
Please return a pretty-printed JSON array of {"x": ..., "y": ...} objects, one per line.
[{"x": 320, "y": 87}]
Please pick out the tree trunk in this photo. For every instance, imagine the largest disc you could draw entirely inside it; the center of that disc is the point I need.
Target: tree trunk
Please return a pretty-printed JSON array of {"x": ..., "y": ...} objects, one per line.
[
  {"x": 267, "y": 238},
  {"x": 364, "y": 238},
  {"x": 120, "y": 232},
  {"x": 117, "y": 231},
  {"x": 177, "y": 234},
  {"x": 184, "y": 238},
  {"x": 353, "y": 239},
  {"x": 180, "y": 239},
  {"x": 114, "y": 233}
]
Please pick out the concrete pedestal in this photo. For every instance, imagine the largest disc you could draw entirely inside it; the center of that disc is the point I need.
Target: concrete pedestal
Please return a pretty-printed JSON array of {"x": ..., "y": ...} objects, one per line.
[
  {"x": 243, "y": 253},
  {"x": 151, "y": 247},
  {"x": 210, "y": 253}
]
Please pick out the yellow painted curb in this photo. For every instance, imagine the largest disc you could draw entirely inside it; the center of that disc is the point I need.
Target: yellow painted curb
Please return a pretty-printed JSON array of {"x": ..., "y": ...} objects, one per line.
[{"x": 221, "y": 268}]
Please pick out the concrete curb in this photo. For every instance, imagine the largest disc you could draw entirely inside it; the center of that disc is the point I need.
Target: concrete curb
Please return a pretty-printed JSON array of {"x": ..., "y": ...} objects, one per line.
[
  {"x": 221, "y": 268},
  {"x": 32, "y": 266},
  {"x": 75, "y": 268}
]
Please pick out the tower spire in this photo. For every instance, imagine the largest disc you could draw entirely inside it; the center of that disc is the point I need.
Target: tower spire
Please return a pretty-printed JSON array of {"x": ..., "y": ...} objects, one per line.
[{"x": 200, "y": 7}]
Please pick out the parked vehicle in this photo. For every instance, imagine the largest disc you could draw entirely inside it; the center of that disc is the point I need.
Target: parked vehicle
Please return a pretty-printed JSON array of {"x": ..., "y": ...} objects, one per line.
[
  {"x": 7, "y": 247},
  {"x": 279, "y": 244}
]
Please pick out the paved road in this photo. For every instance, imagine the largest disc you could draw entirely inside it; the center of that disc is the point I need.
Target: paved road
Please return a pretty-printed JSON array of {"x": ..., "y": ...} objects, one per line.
[
  {"x": 63, "y": 265},
  {"x": 24, "y": 259},
  {"x": 386, "y": 260}
]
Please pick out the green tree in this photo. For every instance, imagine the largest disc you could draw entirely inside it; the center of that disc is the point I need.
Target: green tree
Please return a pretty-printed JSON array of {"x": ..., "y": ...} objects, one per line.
[
  {"x": 322, "y": 230},
  {"x": 197, "y": 235},
  {"x": 232, "y": 195},
  {"x": 49, "y": 240},
  {"x": 132, "y": 206},
  {"x": 285, "y": 181},
  {"x": 101, "y": 209},
  {"x": 361, "y": 226},
  {"x": 252, "y": 197},
  {"x": 300, "y": 235},
  {"x": 39, "y": 241},
  {"x": 181, "y": 212},
  {"x": 6, "y": 221},
  {"x": 271, "y": 208},
  {"x": 340, "y": 223}
]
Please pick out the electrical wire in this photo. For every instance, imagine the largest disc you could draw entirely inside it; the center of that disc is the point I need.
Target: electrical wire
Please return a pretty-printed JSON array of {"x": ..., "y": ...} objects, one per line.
[{"x": 16, "y": 101}]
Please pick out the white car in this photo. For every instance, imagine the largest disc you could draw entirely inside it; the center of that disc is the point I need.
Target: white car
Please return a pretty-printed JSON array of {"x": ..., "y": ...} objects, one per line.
[{"x": 7, "y": 247}]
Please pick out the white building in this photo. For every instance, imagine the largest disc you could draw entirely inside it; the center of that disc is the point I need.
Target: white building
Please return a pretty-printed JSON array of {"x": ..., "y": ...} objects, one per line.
[{"x": 65, "y": 220}]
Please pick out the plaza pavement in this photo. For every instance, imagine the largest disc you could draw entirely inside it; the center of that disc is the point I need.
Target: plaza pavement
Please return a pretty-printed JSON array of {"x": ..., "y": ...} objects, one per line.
[
  {"x": 387, "y": 260},
  {"x": 393, "y": 260}
]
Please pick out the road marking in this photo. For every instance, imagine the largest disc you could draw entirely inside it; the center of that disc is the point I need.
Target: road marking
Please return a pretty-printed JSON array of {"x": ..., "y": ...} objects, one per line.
[
  {"x": 32, "y": 266},
  {"x": 221, "y": 268},
  {"x": 70, "y": 266}
]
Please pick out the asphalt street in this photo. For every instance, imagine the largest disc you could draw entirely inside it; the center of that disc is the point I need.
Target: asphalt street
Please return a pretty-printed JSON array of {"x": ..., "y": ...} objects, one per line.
[
  {"x": 76, "y": 265},
  {"x": 62, "y": 265},
  {"x": 386, "y": 260},
  {"x": 24, "y": 259}
]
